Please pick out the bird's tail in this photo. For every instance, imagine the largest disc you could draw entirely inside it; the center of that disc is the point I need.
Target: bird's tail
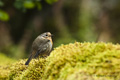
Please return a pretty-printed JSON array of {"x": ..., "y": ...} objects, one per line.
[
  {"x": 36, "y": 55},
  {"x": 28, "y": 61}
]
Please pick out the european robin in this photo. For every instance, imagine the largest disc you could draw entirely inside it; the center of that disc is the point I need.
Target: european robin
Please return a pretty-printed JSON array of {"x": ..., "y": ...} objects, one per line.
[{"x": 41, "y": 46}]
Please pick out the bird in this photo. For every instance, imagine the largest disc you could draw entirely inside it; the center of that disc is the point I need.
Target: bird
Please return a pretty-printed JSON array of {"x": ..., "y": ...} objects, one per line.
[{"x": 41, "y": 46}]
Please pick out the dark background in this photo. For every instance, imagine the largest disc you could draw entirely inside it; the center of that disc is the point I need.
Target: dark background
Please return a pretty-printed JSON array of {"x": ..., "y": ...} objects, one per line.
[{"x": 21, "y": 21}]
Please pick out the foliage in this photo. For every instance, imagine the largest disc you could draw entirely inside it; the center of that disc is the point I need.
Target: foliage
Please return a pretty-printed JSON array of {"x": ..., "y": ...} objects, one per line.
[
  {"x": 23, "y": 6},
  {"x": 51, "y": 1},
  {"x": 75, "y": 61},
  {"x": 4, "y": 16}
]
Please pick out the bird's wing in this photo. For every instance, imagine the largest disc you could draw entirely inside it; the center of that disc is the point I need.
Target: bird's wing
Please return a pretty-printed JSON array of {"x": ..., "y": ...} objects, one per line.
[
  {"x": 42, "y": 48},
  {"x": 37, "y": 42}
]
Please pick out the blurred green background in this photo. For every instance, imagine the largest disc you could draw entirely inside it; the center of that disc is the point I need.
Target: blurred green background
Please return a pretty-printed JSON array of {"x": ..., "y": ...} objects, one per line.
[{"x": 21, "y": 21}]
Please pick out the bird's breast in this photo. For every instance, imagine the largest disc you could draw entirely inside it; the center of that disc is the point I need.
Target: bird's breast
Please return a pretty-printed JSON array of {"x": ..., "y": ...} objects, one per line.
[{"x": 50, "y": 45}]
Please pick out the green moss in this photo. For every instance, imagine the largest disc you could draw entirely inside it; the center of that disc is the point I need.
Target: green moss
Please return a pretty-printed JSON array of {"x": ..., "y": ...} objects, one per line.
[
  {"x": 4, "y": 60},
  {"x": 4, "y": 72},
  {"x": 84, "y": 60},
  {"x": 16, "y": 69},
  {"x": 34, "y": 71},
  {"x": 5, "y": 64},
  {"x": 77, "y": 61}
]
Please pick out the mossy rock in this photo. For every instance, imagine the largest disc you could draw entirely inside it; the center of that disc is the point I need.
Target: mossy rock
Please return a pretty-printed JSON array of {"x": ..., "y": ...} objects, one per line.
[
  {"x": 4, "y": 60},
  {"x": 75, "y": 61},
  {"x": 5, "y": 64}
]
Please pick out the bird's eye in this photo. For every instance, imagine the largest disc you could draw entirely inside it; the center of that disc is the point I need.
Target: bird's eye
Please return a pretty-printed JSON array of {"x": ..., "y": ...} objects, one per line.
[{"x": 46, "y": 35}]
